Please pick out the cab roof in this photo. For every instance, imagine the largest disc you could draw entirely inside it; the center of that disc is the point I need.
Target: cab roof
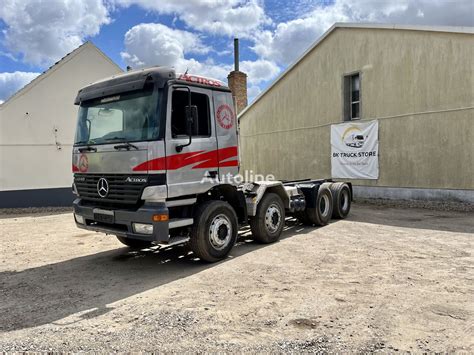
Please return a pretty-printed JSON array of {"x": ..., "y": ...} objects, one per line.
[{"x": 136, "y": 79}]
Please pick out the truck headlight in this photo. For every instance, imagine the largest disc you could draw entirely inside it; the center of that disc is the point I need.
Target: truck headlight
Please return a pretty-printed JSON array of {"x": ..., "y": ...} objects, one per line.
[
  {"x": 79, "y": 219},
  {"x": 142, "y": 228},
  {"x": 155, "y": 193}
]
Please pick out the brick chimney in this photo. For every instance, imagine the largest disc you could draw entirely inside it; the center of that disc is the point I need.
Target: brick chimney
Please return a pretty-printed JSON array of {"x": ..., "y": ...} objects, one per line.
[{"x": 238, "y": 81}]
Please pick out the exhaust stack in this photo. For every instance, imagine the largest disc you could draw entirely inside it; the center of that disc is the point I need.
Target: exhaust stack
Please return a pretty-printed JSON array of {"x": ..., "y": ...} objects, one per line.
[
  {"x": 238, "y": 81},
  {"x": 236, "y": 54}
]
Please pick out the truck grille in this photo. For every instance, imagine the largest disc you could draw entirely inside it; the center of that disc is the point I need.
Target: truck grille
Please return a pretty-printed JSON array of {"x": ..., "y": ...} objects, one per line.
[{"x": 120, "y": 191}]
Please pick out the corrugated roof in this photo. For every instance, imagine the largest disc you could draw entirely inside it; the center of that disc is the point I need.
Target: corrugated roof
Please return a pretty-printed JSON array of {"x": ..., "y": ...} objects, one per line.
[
  {"x": 449, "y": 29},
  {"x": 53, "y": 67}
]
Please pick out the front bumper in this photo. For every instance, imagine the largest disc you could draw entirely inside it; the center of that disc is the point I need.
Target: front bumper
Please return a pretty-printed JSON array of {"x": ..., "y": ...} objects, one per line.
[{"x": 123, "y": 219}]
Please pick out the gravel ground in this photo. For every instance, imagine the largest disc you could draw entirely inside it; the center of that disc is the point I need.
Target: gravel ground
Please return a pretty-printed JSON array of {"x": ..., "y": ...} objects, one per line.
[{"x": 387, "y": 279}]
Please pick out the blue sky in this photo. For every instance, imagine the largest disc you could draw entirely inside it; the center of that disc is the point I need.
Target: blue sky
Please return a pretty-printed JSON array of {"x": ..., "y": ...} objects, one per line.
[{"x": 192, "y": 34}]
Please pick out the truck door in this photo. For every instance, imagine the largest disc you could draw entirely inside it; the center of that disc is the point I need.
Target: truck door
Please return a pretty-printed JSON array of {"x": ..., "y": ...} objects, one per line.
[
  {"x": 192, "y": 170},
  {"x": 226, "y": 133}
]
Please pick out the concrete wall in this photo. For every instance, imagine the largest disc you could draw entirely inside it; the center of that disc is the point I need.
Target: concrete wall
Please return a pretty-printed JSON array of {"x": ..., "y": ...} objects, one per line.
[
  {"x": 32, "y": 154},
  {"x": 419, "y": 84}
]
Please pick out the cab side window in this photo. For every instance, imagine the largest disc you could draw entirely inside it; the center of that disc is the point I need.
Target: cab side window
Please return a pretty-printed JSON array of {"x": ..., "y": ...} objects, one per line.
[{"x": 202, "y": 126}]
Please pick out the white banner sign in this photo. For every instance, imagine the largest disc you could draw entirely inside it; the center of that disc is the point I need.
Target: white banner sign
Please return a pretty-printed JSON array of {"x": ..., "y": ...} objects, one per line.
[{"x": 355, "y": 150}]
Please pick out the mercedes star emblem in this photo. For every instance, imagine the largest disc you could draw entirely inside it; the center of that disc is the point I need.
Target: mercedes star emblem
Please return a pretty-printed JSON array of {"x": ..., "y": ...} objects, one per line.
[{"x": 103, "y": 187}]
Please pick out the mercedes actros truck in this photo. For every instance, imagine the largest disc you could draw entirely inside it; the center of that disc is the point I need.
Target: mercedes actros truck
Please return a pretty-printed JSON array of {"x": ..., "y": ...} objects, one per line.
[{"x": 156, "y": 161}]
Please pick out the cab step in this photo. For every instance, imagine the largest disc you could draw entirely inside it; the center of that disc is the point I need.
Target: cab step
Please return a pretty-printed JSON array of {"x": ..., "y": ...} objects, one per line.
[{"x": 174, "y": 241}]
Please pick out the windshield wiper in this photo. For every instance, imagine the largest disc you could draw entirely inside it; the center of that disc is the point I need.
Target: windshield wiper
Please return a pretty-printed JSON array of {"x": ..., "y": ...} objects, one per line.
[
  {"x": 125, "y": 145},
  {"x": 88, "y": 149}
]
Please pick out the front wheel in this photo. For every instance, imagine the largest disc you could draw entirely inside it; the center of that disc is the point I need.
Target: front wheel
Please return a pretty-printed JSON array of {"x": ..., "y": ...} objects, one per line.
[
  {"x": 215, "y": 230},
  {"x": 269, "y": 221}
]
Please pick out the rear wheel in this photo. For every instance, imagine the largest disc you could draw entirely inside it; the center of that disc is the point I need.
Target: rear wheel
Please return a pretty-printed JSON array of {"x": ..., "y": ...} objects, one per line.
[
  {"x": 135, "y": 243},
  {"x": 214, "y": 232},
  {"x": 341, "y": 194},
  {"x": 321, "y": 214},
  {"x": 269, "y": 221}
]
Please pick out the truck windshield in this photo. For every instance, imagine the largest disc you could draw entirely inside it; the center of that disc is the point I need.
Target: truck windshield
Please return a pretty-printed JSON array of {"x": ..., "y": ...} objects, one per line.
[{"x": 130, "y": 117}]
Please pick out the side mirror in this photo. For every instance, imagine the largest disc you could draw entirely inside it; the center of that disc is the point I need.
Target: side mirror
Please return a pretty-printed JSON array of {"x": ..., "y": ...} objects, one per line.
[
  {"x": 88, "y": 126},
  {"x": 191, "y": 114}
]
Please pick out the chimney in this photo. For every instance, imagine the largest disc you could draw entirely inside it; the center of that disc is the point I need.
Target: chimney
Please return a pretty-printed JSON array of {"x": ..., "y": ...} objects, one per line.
[{"x": 238, "y": 81}]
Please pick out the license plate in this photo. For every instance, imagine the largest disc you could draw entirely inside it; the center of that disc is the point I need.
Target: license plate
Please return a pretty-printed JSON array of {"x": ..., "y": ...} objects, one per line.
[{"x": 104, "y": 216}]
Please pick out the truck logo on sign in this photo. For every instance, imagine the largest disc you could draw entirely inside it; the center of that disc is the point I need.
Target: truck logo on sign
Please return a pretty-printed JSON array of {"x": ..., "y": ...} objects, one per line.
[
  {"x": 103, "y": 187},
  {"x": 225, "y": 116},
  {"x": 353, "y": 138}
]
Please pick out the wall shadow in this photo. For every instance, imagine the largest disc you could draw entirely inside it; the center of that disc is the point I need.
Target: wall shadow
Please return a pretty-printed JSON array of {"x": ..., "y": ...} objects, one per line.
[
  {"x": 52, "y": 292},
  {"x": 447, "y": 221}
]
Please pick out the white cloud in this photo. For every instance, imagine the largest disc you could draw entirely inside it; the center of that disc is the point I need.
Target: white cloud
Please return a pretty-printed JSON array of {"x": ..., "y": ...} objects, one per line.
[
  {"x": 291, "y": 38},
  {"x": 12, "y": 82},
  {"x": 288, "y": 40},
  {"x": 156, "y": 44},
  {"x": 150, "y": 44},
  {"x": 221, "y": 17},
  {"x": 421, "y": 12},
  {"x": 44, "y": 31},
  {"x": 259, "y": 71}
]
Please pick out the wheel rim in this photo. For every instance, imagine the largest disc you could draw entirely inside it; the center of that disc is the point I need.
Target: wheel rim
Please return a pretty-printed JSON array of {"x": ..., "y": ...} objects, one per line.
[
  {"x": 344, "y": 200},
  {"x": 272, "y": 218},
  {"x": 324, "y": 205},
  {"x": 220, "y": 232}
]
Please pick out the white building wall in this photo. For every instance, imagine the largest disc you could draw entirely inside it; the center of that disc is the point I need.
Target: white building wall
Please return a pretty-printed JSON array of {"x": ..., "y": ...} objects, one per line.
[{"x": 37, "y": 124}]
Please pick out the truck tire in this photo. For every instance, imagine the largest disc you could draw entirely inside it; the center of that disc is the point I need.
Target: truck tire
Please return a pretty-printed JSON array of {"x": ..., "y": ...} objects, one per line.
[
  {"x": 135, "y": 243},
  {"x": 321, "y": 214},
  {"x": 214, "y": 231},
  {"x": 269, "y": 221},
  {"x": 341, "y": 196}
]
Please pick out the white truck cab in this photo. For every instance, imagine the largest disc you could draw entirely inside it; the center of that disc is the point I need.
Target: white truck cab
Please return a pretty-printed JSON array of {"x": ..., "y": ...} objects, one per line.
[{"x": 155, "y": 159}]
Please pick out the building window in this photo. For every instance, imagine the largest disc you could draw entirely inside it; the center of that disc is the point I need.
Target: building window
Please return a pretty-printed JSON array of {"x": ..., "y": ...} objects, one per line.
[
  {"x": 202, "y": 127},
  {"x": 352, "y": 97}
]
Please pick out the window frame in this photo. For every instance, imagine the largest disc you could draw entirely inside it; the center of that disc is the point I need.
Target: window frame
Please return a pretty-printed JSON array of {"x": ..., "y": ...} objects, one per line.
[
  {"x": 347, "y": 102},
  {"x": 209, "y": 114},
  {"x": 159, "y": 115}
]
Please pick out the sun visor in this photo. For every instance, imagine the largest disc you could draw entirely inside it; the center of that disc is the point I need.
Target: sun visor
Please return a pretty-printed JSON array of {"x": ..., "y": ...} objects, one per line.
[{"x": 110, "y": 87}]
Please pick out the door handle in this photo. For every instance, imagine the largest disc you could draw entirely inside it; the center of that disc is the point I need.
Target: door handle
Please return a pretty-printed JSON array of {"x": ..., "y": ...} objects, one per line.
[{"x": 211, "y": 174}]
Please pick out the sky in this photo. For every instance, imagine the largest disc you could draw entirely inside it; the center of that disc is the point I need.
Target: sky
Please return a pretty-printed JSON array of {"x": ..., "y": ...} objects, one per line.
[{"x": 193, "y": 34}]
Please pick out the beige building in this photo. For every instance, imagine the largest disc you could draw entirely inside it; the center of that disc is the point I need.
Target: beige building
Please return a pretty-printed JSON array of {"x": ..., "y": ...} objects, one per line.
[
  {"x": 37, "y": 127},
  {"x": 418, "y": 82}
]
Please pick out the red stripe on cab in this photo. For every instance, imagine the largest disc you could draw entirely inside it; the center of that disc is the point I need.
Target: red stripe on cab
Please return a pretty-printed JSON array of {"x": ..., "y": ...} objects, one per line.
[{"x": 206, "y": 160}]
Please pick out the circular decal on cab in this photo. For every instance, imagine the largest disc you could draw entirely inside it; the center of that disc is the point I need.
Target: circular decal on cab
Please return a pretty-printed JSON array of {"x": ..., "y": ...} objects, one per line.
[
  {"x": 83, "y": 164},
  {"x": 225, "y": 116}
]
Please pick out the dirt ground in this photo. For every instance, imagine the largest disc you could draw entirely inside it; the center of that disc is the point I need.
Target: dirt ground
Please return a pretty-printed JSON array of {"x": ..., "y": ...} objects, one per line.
[{"x": 386, "y": 279}]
